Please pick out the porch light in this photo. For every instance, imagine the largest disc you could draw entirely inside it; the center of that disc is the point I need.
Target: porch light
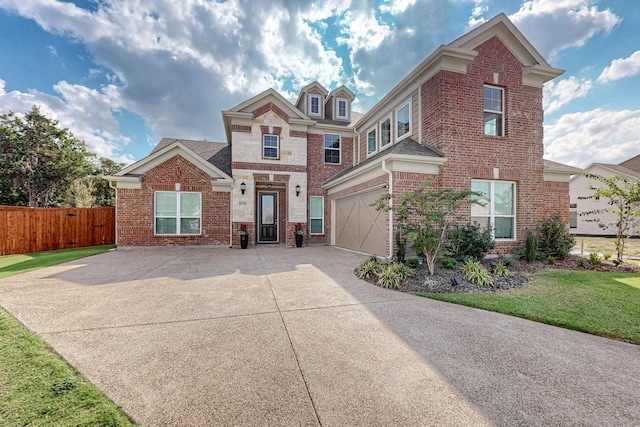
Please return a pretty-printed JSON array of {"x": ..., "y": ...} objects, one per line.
[
  {"x": 243, "y": 187},
  {"x": 297, "y": 190}
]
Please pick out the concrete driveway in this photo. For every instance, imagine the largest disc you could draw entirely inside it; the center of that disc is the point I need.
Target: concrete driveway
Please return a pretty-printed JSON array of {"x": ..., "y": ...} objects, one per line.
[{"x": 279, "y": 336}]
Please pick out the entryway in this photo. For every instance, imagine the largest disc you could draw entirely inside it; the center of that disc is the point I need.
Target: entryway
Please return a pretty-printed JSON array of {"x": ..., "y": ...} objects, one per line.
[{"x": 267, "y": 217}]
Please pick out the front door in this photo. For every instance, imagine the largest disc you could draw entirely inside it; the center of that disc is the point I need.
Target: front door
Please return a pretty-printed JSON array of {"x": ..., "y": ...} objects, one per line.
[{"x": 268, "y": 217}]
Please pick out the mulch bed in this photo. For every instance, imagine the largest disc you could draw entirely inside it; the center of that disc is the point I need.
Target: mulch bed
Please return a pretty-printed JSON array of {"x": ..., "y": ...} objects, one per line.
[{"x": 521, "y": 274}]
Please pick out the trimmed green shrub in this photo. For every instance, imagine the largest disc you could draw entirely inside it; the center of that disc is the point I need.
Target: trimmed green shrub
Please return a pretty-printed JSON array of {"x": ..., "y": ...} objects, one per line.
[
  {"x": 474, "y": 272},
  {"x": 413, "y": 262},
  {"x": 448, "y": 262},
  {"x": 470, "y": 240},
  {"x": 551, "y": 260}
]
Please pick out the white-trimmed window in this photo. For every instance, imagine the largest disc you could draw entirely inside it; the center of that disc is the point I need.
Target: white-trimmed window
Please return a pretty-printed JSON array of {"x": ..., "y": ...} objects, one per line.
[
  {"x": 342, "y": 108},
  {"x": 496, "y": 207},
  {"x": 332, "y": 148},
  {"x": 403, "y": 121},
  {"x": 270, "y": 146},
  {"x": 177, "y": 213},
  {"x": 493, "y": 111},
  {"x": 573, "y": 216},
  {"x": 371, "y": 142},
  {"x": 316, "y": 215},
  {"x": 385, "y": 132},
  {"x": 314, "y": 105}
]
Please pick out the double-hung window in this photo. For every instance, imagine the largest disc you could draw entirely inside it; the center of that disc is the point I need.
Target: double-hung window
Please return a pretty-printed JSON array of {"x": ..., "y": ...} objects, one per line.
[
  {"x": 385, "y": 132},
  {"x": 270, "y": 146},
  {"x": 316, "y": 214},
  {"x": 314, "y": 105},
  {"x": 495, "y": 207},
  {"x": 177, "y": 213},
  {"x": 403, "y": 121},
  {"x": 332, "y": 148},
  {"x": 371, "y": 142},
  {"x": 343, "y": 109},
  {"x": 493, "y": 111}
]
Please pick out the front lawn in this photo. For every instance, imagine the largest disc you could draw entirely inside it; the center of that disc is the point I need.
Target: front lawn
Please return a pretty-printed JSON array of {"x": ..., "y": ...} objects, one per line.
[{"x": 600, "y": 303}]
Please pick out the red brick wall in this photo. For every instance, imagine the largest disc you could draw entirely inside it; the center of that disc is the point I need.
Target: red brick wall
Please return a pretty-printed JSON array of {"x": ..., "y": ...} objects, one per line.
[
  {"x": 135, "y": 214},
  {"x": 452, "y": 121}
]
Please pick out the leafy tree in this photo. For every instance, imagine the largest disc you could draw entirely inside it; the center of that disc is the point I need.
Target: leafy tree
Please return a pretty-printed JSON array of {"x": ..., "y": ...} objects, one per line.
[
  {"x": 425, "y": 215},
  {"x": 38, "y": 160},
  {"x": 102, "y": 193},
  {"x": 624, "y": 203}
]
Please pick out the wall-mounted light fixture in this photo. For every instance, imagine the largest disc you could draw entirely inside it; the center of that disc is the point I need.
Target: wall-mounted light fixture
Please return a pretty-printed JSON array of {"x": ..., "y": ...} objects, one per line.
[
  {"x": 297, "y": 190},
  {"x": 243, "y": 187}
]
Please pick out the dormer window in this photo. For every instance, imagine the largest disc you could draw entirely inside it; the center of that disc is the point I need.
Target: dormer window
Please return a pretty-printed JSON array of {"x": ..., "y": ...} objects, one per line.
[
  {"x": 342, "y": 109},
  {"x": 314, "y": 105}
]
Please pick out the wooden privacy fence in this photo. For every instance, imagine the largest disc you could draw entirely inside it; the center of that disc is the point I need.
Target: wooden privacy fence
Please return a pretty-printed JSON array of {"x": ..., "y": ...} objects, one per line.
[{"x": 25, "y": 229}]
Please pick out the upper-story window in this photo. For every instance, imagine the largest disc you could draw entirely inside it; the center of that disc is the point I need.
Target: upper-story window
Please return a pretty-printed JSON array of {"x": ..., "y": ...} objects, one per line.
[
  {"x": 270, "y": 146},
  {"x": 314, "y": 105},
  {"x": 403, "y": 121},
  {"x": 493, "y": 111},
  {"x": 371, "y": 141},
  {"x": 343, "y": 108},
  {"x": 385, "y": 132},
  {"x": 332, "y": 148}
]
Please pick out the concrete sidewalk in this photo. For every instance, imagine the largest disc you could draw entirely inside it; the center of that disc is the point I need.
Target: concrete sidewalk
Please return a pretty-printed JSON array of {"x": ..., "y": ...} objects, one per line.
[{"x": 290, "y": 337}]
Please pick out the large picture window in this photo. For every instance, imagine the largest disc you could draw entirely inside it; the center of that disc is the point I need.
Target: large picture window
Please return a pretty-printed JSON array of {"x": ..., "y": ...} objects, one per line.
[
  {"x": 332, "y": 148},
  {"x": 496, "y": 207},
  {"x": 316, "y": 214},
  {"x": 270, "y": 146},
  {"x": 385, "y": 132},
  {"x": 177, "y": 213},
  {"x": 493, "y": 111},
  {"x": 371, "y": 142},
  {"x": 403, "y": 121}
]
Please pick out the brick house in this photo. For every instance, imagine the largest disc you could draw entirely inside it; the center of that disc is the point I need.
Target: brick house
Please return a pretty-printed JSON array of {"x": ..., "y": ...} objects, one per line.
[{"x": 469, "y": 116}]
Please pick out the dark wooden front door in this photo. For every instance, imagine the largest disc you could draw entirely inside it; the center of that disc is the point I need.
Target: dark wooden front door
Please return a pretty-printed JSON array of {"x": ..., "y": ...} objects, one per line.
[{"x": 267, "y": 217}]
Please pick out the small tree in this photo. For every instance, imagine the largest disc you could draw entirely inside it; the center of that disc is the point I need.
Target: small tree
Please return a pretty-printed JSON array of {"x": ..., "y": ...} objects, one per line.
[
  {"x": 425, "y": 215},
  {"x": 624, "y": 203}
]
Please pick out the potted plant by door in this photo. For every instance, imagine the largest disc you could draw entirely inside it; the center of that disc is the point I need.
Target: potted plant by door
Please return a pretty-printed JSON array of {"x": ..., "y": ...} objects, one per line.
[
  {"x": 299, "y": 235},
  {"x": 244, "y": 236}
]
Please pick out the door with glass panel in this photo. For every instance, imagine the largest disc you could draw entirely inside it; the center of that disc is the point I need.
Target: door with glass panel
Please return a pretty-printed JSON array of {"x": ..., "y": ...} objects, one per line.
[{"x": 267, "y": 217}]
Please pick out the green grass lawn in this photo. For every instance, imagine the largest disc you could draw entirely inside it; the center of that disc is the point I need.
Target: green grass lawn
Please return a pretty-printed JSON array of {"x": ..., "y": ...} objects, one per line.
[
  {"x": 599, "y": 303},
  {"x": 37, "y": 386}
]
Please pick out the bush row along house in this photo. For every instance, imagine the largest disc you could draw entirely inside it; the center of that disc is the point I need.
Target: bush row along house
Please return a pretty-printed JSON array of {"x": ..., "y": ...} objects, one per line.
[
  {"x": 580, "y": 186},
  {"x": 469, "y": 116}
]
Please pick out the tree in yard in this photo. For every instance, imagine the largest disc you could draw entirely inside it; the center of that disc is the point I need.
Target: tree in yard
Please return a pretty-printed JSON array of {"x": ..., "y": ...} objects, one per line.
[
  {"x": 38, "y": 160},
  {"x": 425, "y": 215},
  {"x": 102, "y": 193},
  {"x": 624, "y": 203}
]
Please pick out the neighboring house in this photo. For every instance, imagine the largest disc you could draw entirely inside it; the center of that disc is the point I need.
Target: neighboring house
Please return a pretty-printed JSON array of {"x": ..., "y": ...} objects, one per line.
[
  {"x": 469, "y": 116},
  {"x": 580, "y": 185}
]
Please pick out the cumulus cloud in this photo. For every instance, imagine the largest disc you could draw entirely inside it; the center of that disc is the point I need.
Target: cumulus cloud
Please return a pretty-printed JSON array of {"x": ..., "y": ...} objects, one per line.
[
  {"x": 477, "y": 13},
  {"x": 621, "y": 68},
  {"x": 558, "y": 93},
  {"x": 554, "y": 25},
  {"x": 395, "y": 7},
  {"x": 603, "y": 136}
]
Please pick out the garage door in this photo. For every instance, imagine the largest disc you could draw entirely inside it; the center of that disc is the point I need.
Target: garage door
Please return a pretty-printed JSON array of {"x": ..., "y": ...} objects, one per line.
[{"x": 359, "y": 226}]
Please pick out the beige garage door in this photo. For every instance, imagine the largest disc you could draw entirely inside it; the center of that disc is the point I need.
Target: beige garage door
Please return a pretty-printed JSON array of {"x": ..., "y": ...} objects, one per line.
[{"x": 359, "y": 226}]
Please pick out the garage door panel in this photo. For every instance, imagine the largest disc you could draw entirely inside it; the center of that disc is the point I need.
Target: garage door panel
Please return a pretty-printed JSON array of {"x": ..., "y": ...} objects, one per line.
[{"x": 359, "y": 226}]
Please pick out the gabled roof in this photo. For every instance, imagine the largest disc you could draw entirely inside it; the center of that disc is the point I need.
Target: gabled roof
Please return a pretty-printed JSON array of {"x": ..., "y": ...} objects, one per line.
[
  {"x": 632, "y": 163},
  {"x": 615, "y": 170},
  {"x": 342, "y": 89},
  {"x": 214, "y": 158},
  {"x": 307, "y": 88}
]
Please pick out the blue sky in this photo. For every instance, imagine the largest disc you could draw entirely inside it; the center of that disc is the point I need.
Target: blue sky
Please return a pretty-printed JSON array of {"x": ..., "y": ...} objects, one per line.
[{"x": 121, "y": 75}]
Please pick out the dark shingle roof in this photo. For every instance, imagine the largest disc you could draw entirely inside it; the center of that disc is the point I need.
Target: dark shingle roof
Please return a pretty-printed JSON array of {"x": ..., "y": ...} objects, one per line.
[
  {"x": 216, "y": 153},
  {"x": 406, "y": 146}
]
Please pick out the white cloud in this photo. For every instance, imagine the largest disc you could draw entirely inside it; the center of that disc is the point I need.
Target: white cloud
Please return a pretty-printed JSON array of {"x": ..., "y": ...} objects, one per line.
[
  {"x": 602, "y": 136},
  {"x": 554, "y": 25},
  {"x": 558, "y": 93},
  {"x": 477, "y": 13},
  {"x": 362, "y": 31},
  {"x": 396, "y": 7},
  {"x": 621, "y": 68}
]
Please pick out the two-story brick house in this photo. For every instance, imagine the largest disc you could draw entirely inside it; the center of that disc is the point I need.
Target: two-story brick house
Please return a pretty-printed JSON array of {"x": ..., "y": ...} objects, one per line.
[{"x": 469, "y": 116}]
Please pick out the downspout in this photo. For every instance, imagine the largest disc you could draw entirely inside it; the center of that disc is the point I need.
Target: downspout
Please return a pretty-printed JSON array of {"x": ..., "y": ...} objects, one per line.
[
  {"x": 116, "y": 209},
  {"x": 390, "y": 174},
  {"x": 231, "y": 216}
]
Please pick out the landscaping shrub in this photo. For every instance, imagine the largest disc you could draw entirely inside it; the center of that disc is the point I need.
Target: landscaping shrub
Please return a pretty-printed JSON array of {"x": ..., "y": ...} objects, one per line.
[
  {"x": 413, "y": 262},
  {"x": 474, "y": 272},
  {"x": 368, "y": 269},
  {"x": 470, "y": 240},
  {"x": 594, "y": 259},
  {"x": 448, "y": 262},
  {"x": 501, "y": 270},
  {"x": 551, "y": 260},
  {"x": 553, "y": 238},
  {"x": 530, "y": 251},
  {"x": 582, "y": 262},
  {"x": 391, "y": 275}
]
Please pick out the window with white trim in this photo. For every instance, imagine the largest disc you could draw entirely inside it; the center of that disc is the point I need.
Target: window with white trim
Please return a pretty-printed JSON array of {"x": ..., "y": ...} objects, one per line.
[
  {"x": 314, "y": 105},
  {"x": 177, "y": 213},
  {"x": 342, "y": 108},
  {"x": 316, "y": 215},
  {"x": 496, "y": 207},
  {"x": 573, "y": 219},
  {"x": 493, "y": 111},
  {"x": 385, "y": 132},
  {"x": 403, "y": 121},
  {"x": 332, "y": 148},
  {"x": 371, "y": 141},
  {"x": 270, "y": 146}
]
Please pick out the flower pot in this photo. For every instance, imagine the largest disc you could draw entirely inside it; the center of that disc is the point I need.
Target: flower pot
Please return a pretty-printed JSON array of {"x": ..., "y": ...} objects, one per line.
[
  {"x": 244, "y": 241},
  {"x": 299, "y": 240}
]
